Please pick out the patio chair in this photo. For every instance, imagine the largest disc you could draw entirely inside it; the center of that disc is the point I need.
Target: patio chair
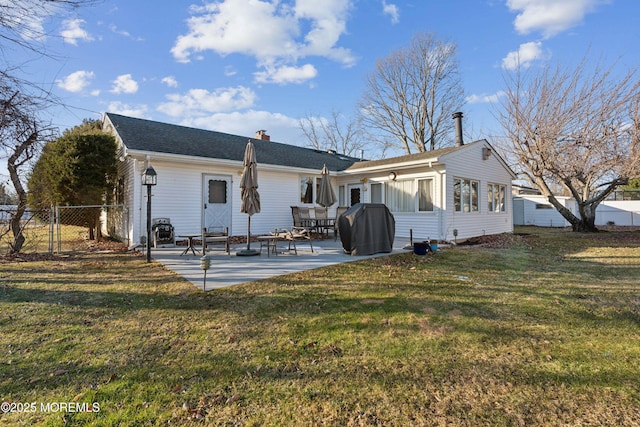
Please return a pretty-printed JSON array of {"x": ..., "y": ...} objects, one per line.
[
  {"x": 295, "y": 213},
  {"x": 323, "y": 223},
  {"x": 213, "y": 235},
  {"x": 306, "y": 221},
  {"x": 294, "y": 235}
]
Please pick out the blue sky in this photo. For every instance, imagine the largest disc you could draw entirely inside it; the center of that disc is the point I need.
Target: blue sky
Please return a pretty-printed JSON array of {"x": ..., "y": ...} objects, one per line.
[{"x": 237, "y": 66}]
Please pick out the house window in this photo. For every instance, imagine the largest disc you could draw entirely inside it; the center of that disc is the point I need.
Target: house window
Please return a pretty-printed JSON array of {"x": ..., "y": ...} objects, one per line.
[
  {"x": 217, "y": 191},
  {"x": 341, "y": 196},
  {"x": 120, "y": 191},
  {"x": 465, "y": 195},
  {"x": 543, "y": 206},
  {"x": 425, "y": 195},
  {"x": 495, "y": 198},
  {"x": 400, "y": 196},
  {"x": 376, "y": 193},
  {"x": 306, "y": 189}
]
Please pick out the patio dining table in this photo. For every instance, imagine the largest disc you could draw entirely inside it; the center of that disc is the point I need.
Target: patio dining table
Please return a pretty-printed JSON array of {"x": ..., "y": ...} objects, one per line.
[{"x": 320, "y": 225}]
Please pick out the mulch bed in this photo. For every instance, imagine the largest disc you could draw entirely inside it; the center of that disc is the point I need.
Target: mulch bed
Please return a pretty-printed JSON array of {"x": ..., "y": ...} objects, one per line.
[{"x": 504, "y": 240}]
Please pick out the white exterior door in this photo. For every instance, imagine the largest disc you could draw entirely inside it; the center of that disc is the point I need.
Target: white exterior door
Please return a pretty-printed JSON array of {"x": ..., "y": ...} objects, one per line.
[
  {"x": 355, "y": 194},
  {"x": 217, "y": 201}
]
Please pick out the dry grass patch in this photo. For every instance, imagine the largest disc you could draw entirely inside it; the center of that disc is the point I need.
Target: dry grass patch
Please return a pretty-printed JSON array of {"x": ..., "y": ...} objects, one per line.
[{"x": 539, "y": 332}]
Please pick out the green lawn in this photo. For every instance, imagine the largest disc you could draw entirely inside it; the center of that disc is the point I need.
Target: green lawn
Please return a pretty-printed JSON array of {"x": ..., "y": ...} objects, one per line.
[{"x": 544, "y": 330}]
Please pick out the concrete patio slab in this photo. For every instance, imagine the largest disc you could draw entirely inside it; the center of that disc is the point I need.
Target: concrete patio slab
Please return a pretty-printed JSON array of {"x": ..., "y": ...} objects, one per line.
[{"x": 231, "y": 270}]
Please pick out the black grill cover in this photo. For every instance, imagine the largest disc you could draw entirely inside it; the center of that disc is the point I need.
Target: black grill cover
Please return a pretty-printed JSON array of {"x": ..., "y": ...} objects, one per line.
[{"x": 366, "y": 229}]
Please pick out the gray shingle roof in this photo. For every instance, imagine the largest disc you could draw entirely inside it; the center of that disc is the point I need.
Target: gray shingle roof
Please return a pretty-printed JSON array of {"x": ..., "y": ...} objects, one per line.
[
  {"x": 427, "y": 155},
  {"x": 148, "y": 135}
]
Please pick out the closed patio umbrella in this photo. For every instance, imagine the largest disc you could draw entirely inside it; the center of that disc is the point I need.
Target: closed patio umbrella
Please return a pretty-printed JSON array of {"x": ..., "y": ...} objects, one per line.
[
  {"x": 325, "y": 197},
  {"x": 250, "y": 199}
]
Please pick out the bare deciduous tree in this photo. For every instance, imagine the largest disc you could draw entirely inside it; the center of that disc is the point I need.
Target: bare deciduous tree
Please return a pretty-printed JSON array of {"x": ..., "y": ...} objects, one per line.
[
  {"x": 21, "y": 137},
  {"x": 21, "y": 21},
  {"x": 576, "y": 128},
  {"x": 413, "y": 92},
  {"x": 337, "y": 133},
  {"x": 21, "y": 102}
]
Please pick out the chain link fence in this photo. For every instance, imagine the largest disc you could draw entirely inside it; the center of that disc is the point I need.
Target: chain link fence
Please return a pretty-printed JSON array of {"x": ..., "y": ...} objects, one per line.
[{"x": 64, "y": 228}]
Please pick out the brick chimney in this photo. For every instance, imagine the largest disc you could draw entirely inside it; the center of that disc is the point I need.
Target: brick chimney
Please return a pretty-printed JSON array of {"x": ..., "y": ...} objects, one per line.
[{"x": 262, "y": 134}]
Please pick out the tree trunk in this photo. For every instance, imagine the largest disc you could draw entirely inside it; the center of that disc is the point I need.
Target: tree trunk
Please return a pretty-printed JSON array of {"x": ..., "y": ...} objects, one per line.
[
  {"x": 16, "y": 229},
  {"x": 585, "y": 226},
  {"x": 12, "y": 166},
  {"x": 586, "y": 222}
]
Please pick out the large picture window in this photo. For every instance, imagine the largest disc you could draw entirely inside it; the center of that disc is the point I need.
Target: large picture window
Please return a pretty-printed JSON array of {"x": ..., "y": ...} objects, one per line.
[
  {"x": 496, "y": 198},
  {"x": 400, "y": 196},
  {"x": 465, "y": 195}
]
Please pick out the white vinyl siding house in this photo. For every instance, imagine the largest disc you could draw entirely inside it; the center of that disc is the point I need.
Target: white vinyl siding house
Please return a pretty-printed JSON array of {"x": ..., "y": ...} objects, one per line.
[
  {"x": 434, "y": 193},
  {"x": 199, "y": 173}
]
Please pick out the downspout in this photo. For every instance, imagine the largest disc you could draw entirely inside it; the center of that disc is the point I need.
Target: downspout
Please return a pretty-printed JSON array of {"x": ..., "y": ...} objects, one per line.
[
  {"x": 443, "y": 199},
  {"x": 443, "y": 207},
  {"x": 138, "y": 188}
]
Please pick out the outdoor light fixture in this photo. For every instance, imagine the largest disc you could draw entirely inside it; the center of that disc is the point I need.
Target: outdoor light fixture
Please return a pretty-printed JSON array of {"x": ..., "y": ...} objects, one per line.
[
  {"x": 149, "y": 178},
  {"x": 205, "y": 263},
  {"x": 392, "y": 176}
]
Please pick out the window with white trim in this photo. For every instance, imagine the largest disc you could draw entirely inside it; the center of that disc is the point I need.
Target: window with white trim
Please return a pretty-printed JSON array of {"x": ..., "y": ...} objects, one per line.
[
  {"x": 341, "y": 196},
  {"x": 400, "y": 196},
  {"x": 306, "y": 189},
  {"x": 425, "y": 195},
  {"x": 465, "y": 195},
  {"x": 496, "y": 198},
  {"x": 376, "y": 193}
]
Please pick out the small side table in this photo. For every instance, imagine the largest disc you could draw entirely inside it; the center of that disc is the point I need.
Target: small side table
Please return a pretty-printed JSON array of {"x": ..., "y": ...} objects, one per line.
[
  {"x": 270, "y": 242},
  {"x": 190, "y": 246}
]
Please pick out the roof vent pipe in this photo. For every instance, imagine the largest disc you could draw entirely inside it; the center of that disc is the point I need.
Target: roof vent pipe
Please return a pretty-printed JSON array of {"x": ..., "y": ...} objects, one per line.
[{"x": 457, "y": 117}]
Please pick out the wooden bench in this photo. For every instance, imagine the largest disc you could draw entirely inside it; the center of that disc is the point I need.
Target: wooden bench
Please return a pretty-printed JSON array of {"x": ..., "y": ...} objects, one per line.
[{"x": 214, "y": 235}]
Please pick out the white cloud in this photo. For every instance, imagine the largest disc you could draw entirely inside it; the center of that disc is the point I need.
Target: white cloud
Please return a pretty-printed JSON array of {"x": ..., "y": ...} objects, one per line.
[
  {"x": 524, "y": 56},
  {"x": 550, "y": 17},
  {"x": 170, "y": 81},
  {"x": 272, "y": 32},
  {"x": 118, "y": 107},
  {"x": 76, "y": 82},
  {"x": 24, "y": 20},
  {"x": 250, "y": 27},
  {"x": 114, "y": 29},
  {"x": 391, "y": 10},
  {"x": 286, "y": 74},
  {"x": 73, "y": 31},
  {"x": 124, "y": 84},
  {"x": 281, "y": 128},
  {"x": 484, "y": 98},
  {"x": 328, "y": 22},
  {"x": 198, "y": 102}
]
